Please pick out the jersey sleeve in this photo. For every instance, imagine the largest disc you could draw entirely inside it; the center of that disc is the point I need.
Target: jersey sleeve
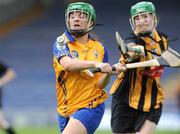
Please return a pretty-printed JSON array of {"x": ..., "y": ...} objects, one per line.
[{"x": 60, "y": 50}]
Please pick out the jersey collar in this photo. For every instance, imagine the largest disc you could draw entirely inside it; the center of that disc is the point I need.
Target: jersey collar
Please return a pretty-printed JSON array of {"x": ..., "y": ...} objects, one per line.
[
  {"x": 70, "y": 39},
  {"x": 155, "y": 36}
]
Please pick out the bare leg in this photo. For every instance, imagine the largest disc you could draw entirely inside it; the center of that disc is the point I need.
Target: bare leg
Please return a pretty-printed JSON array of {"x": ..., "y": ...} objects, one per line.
[
  {"x": 74, "y": 126},
  {"x": 147, "y": 128},
  {"x": 5, "y": 125}
]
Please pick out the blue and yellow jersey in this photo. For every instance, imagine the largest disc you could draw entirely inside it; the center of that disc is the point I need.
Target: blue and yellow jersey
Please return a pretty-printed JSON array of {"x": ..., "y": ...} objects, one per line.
[
  {"x": 140, "y": 87},
  {"x": 76, "y": 90}
]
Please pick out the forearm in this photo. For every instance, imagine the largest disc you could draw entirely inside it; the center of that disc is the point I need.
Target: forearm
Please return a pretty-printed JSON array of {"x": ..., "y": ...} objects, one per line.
[
  {"x": 104, "y": 81},
  {"x": 76, "y": 65}
]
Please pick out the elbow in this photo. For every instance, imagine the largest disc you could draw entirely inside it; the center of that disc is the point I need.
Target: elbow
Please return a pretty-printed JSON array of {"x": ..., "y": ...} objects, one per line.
[
  {"x": 102, "y": 86},
  {"x": 66, "y": 63},
  {"x": 103, "y": 83},
  {"x": 68, "y": 67}
]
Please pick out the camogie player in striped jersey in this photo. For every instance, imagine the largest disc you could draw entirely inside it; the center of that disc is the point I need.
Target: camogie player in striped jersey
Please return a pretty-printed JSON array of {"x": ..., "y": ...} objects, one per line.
[{"x": 137, "y": 94}]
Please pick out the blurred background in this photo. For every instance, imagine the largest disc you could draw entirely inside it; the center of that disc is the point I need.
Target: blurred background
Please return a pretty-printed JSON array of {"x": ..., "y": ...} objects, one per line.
[{"x": 28, "y": 29}]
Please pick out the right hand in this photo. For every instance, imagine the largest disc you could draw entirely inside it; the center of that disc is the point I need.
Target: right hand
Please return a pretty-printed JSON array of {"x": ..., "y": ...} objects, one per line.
[
  {"x": 119, "y": 68},
  {"x": 132, "y": 53},
  {"x": 105, "y": 67}
]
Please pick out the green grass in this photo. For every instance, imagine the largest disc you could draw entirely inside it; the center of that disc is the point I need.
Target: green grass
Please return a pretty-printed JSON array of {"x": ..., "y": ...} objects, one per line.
[{"x": 54, "y": 130}]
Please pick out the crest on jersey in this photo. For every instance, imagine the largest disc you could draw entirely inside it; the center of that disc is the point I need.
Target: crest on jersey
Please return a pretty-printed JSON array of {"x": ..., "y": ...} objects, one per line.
[{"x": 74, "y": 54}]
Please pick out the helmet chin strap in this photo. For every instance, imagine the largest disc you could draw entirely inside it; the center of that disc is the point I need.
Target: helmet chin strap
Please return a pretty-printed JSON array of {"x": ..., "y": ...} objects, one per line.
[
  {"x": 81, "y": 32},
  {"x": 144, "y": 34},
  {"x": 78, "y": 33}
]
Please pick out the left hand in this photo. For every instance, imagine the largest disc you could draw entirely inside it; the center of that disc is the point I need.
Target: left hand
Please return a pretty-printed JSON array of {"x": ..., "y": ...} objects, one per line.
[{"x": 119, "y": 68}]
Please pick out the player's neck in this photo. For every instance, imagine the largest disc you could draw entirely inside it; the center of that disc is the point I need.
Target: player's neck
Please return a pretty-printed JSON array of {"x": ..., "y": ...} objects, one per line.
[{"x": 83, "y": 39}]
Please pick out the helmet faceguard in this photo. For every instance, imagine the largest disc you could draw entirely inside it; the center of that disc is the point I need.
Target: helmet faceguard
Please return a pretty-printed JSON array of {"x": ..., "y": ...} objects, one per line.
[
  {"x": 144, "y": 8},
  {"x": 85, "y": 8}
]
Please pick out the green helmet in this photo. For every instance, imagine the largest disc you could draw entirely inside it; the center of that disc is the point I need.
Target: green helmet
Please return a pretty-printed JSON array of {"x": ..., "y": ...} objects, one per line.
[
  {"x": 144, "y": 6},
  {"x": 86, "y": 8}
]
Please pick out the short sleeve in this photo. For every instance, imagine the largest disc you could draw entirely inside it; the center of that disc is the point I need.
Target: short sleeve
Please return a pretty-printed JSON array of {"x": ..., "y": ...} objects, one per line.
[{"x": 60, "y": 50}]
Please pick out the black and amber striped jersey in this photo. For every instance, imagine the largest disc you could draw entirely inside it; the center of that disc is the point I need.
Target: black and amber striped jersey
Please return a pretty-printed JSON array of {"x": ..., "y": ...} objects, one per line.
[{"x": 140, "y": 87}]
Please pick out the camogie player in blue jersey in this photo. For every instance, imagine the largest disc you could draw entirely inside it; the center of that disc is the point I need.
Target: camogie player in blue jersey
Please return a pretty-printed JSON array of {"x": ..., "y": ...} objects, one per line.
[{"x": 80, "y": 98}]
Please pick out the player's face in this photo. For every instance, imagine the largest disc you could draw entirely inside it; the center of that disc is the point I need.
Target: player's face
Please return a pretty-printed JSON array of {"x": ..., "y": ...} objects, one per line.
[
  {"x": 144, "y": 22},
  {"x": 78, "y": 20}
]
